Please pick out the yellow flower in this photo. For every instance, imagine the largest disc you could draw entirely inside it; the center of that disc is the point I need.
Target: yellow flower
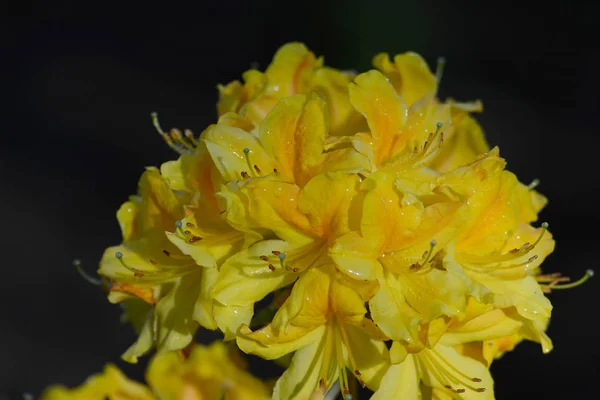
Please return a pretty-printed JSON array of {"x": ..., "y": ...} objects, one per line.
[
  {"x": 323, "y": 321},
  {"x": 444, "y": 369},
  {"x": 288, "y": 184},
  {"x": 379, "y": 211},
  {"x": 208, "y": 373},
  {"x": 111, "y": 385},
  {"x": 401, "y": 245},
  {"x": 168, "y": 259},
  {"x": 294, "y": 70},
  {"x": 496, "y": 246}
]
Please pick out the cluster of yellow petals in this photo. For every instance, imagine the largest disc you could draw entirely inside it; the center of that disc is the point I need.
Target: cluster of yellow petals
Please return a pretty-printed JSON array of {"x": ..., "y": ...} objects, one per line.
[
  {"x": 389, "y": 241},
  {"x": 200, "y": 373}
]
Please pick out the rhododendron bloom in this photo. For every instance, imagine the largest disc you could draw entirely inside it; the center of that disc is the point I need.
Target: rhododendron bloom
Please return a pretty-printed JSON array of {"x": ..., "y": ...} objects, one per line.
[{"x": 351, "y": 226}]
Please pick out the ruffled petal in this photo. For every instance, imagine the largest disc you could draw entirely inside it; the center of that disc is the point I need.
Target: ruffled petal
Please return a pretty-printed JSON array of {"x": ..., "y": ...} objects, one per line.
[{"x": 409, "y": 74}]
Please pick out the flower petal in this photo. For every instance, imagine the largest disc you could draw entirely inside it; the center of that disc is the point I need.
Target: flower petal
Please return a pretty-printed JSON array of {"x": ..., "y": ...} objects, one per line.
[
  {"x": 409, "y": 74},
  {"x": 371, "y": 356},
  {"x": 301, "y": 378},
  {"x": 227, "y": 144},
  {"x": 333, "y": 86},
  {"x": 245, "y": 278},
  {"x": 354, "y": 256},
  {"x": 401, "y": 382}
]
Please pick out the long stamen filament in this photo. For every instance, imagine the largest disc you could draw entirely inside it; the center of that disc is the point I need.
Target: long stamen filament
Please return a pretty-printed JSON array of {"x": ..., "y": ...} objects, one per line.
[
  {"x": 85, "y": 275},
  {"x": 556, "y": 284}
]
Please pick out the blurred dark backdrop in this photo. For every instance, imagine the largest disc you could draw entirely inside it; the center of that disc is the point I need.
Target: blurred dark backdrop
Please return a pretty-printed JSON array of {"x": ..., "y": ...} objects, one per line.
[{"x": 78, "y": 84}]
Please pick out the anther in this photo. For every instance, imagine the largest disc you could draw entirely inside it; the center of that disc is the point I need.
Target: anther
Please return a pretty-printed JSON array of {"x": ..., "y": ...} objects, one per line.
[
  {"x": 167, "y": 253},
  {"x": 476, "y": 379},
  {"x": 272, "y": 267},
  {"x": 190, "y": 136},
  {"x": 275, "y": 170},
  {"x": 296, "y": 270},
  {"x": 448, "y": 387},
  {"x": 480, "y": 390},
  {"x": 264, "y": 258},
  {"x": 153, "y": 262},
  {"x": 322, "y": 384},
  {"x": 187, "y": 232},
  {"x": 244, "y": 174},
  {"x": 276, "y": 252},
  {"x": 178, "y": 146},
  {"x": 257, "y": 169},
  {"x": 460, "y": 390},
  {"x": 194, "y": 239},
  {"x": 356, "y": 372},
  {"x": 189, "y": 225}
]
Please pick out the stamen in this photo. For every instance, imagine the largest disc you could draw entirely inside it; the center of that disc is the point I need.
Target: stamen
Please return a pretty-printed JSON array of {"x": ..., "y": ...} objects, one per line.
[
  {"x": 167, "y": 253},
  {"x": 555, "y": 284},
  {"x": 438, "y": 360},
  {"x": 247, "y": 155},
  {"x": 439, "y": 70},
  {"x": 327, "y": 349},
  {"x": 257, "y": 169},
  {"x": 350, "y": 355},
  {"x": 178, "y": 137},
  {"x": 534, "y": 183},
  {"x": 84, "y": 275},
  {"x": 425, "y": 258},
  {"x": 177, "y": 146},
  {"x": 264, "y": 258},
  {"x": 194, "y": 239},
  {"x": 136, "y": 272}
]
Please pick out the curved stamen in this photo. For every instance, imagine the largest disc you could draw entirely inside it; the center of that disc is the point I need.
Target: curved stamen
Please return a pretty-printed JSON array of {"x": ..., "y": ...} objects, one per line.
[
  {"x": 556, "y": 282},
  {"x": 85, "y": 275}
]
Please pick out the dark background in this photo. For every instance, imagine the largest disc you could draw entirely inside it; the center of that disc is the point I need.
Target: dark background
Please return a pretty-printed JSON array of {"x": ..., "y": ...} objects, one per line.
[{"x": 79, "y": 83}]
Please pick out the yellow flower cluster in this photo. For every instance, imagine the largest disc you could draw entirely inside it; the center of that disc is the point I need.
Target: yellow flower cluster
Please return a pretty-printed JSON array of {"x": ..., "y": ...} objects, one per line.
[
  {"x": 199, "y": 373},
  {"x": 387, "y": 240}
]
